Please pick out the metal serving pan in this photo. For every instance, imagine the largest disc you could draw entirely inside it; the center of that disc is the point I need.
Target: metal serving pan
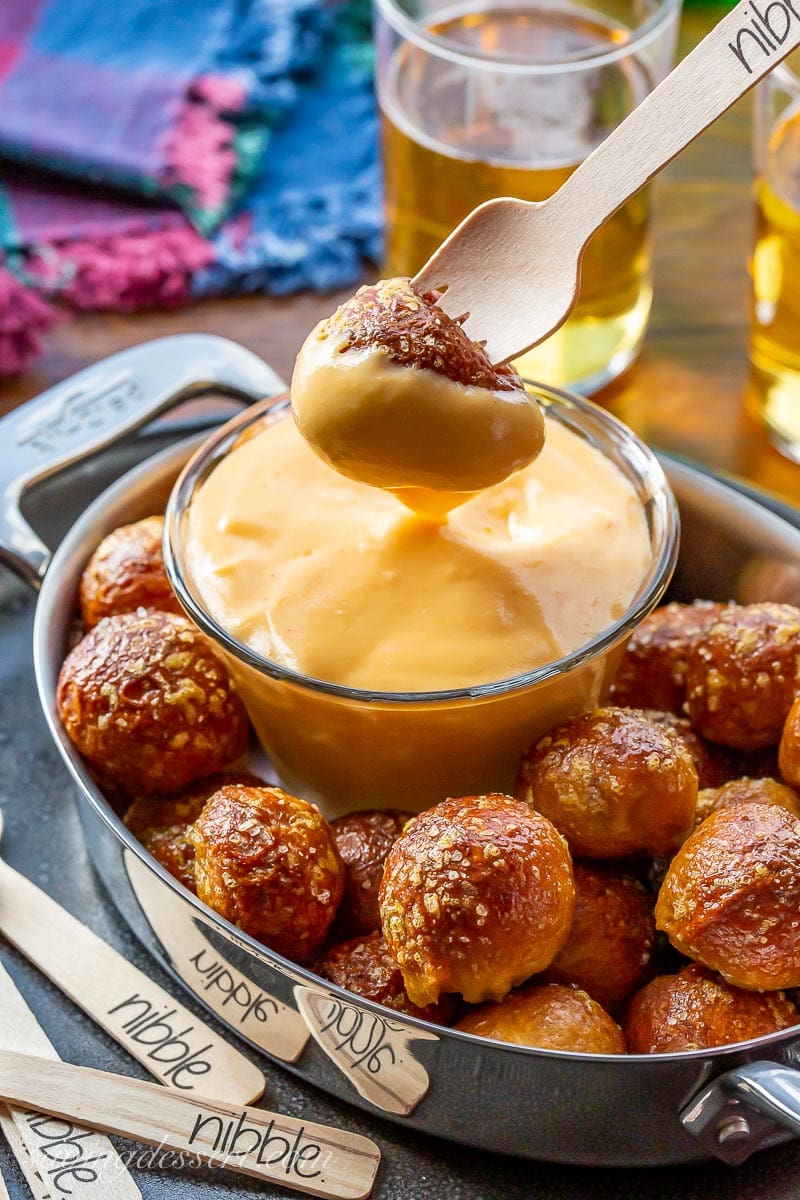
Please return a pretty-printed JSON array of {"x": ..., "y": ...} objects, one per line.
[{"x": 634, "y": 1110}]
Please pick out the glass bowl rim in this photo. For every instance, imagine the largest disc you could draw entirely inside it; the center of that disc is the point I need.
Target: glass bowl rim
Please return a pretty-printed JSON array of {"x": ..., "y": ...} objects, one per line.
[
  {"x": 582, "y": 416},
  {"x": 640, "y": 37}
]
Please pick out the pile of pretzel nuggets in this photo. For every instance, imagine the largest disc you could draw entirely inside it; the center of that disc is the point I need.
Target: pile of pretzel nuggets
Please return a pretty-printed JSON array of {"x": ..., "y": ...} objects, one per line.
[{"x": 639, "y": 893}]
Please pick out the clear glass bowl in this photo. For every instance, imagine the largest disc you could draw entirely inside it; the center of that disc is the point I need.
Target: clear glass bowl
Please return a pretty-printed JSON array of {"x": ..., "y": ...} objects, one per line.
[{"x": 348, "y": 748}]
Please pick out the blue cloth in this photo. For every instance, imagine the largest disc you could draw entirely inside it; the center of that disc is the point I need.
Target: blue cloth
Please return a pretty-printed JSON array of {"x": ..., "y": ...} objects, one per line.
[
  {"x": 287, "y": 104},
  {"x": 169, "y": 98},
  {"x": 315, "y": 210}
]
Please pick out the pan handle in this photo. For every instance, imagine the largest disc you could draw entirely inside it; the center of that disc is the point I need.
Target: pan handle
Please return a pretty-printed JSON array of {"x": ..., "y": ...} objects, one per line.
[
  {"x": 90, "y": 410},
  {"x": 745, "y": 1109}
]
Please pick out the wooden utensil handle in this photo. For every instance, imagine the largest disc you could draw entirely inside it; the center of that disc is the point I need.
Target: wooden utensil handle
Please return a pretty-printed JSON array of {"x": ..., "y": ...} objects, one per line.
[
  {"x": 58, "y": 1158},
  {"x": 739, "y": 51},
  {"x": 20, "y": 1151},
  {"x": 311, "y": 1158},
  {"x": 177, "y": 1047}
]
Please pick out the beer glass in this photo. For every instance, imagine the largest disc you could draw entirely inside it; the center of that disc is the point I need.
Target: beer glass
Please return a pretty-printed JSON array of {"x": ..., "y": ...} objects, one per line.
[
  {"x": 773, "y": 395},
  {"x": 482, "y": 99}
]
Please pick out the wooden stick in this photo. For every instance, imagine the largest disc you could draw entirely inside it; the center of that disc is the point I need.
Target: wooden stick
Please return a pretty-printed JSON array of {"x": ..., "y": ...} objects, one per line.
[
  {"x": 311, "y": 1158},
  {"x": 175, "y": 1046},
  {"x": 39, "y": 1190},
  {"x": 235, "y": 997},
  {"x": 69, "y": 1159},
  {"x": 373, "y": 1052}
]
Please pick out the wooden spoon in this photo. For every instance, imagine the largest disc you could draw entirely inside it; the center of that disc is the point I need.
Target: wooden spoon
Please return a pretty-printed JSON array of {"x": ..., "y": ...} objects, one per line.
[
  {"x": 514, "y": 266},
  {"x": 175, "y": 1046},
  {"x": 315, "y": 1159}
]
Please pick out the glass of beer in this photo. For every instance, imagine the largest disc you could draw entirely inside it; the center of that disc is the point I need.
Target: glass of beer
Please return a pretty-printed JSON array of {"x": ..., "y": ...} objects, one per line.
[
  {"x": 482, "y": 99},
  {"x": 773, "y": 394}
]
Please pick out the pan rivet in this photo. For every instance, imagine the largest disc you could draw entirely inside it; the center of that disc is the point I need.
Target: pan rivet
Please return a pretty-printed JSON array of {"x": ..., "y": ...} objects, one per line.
[{"x": 733, "y": 1129}]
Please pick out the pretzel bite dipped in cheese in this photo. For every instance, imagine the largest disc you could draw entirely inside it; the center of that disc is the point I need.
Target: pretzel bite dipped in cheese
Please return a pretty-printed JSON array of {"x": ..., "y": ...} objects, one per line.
[{"x": 391, "y": 391}]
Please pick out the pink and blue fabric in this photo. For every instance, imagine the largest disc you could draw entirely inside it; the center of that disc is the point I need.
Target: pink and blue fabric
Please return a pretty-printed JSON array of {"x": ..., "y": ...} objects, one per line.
[{"x": 180, "y": 148}]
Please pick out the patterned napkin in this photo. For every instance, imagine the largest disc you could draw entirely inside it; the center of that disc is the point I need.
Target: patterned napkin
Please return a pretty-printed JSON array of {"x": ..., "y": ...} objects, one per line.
[{"x": 230, "y": 146}]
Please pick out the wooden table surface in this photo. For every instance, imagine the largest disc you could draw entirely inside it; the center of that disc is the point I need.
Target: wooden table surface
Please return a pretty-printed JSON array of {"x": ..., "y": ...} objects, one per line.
[{"x": 684, "y": 394}]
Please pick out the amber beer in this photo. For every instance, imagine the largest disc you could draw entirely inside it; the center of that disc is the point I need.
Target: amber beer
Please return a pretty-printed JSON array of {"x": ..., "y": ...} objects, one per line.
[
  {"x": 523, "y": 138},
  {"x": 774, "y": 392}
]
